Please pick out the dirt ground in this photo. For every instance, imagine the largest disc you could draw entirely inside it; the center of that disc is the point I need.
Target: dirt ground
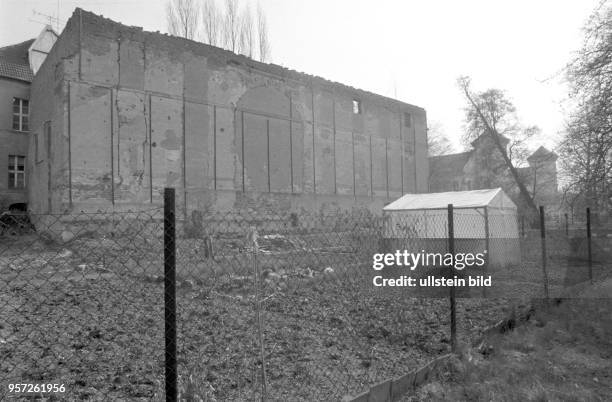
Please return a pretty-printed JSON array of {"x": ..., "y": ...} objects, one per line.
[{"x": 90, "y": 315}]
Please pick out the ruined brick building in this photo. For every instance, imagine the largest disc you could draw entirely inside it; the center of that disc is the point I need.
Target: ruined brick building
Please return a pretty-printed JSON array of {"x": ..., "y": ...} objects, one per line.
[
  {"x": 483, "y": 167},
  {"x": 119, "y": 113},
  {"x": 18, "y": 63}
]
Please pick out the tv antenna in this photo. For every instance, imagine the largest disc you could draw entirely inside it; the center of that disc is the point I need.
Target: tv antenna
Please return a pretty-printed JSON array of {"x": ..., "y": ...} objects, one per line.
[{"x": 51, "y": 19}]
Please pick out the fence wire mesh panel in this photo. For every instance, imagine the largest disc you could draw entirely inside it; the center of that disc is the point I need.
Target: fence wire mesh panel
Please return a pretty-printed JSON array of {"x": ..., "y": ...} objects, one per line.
[
  {"x": 275, "y": 306},
  {"x": 81, "y": 304}
]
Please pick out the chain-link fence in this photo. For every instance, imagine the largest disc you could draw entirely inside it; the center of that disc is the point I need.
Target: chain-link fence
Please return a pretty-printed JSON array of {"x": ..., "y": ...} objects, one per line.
[
  {"x": 274, "y": 306},
  {"x": 80, "y": 304}
]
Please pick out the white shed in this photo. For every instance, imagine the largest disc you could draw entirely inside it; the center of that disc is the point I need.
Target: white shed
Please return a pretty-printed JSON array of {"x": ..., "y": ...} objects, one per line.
[{"x": 483, "y": 220}]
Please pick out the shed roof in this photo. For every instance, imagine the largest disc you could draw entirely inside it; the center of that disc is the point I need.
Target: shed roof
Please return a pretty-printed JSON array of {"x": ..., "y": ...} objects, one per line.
[{"x": 494, "y": 197}]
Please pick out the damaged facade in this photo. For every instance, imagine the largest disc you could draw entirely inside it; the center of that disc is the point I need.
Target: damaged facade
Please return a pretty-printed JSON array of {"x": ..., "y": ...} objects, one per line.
[{"x": 119, "y": 113}]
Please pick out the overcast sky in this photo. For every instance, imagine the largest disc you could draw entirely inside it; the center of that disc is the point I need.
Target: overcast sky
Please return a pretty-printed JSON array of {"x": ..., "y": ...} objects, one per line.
[{"x": 412, "y": 50}]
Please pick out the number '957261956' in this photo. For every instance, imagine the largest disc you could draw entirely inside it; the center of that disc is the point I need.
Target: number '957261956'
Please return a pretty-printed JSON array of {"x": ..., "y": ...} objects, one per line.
[{"x": 28, "y": 388}]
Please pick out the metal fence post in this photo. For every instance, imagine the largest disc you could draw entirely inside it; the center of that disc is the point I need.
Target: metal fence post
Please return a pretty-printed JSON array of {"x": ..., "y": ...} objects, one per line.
[
  {"x": 170, "y": 293},
  {"x": 253, "y": 240},
  {"x": 589, "y": 246},
  {"x": 451, "y": 250},
  {"x": 487, "y": 245},
  {"x": 543, "y": 237}
]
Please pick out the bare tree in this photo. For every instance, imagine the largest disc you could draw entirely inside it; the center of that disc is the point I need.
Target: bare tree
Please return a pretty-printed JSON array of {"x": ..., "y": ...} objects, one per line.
[
  {"x": 183, "y": 18},
  {"x": 489, "y": 113},
  {"x": 247, "y": 33},
  {"x": 437, "y": 142},
  {"x": 587, "y": 147},
  {"x": 232, "y": 25},
  {"x": 212, "y": 20},
  {"x": 262, "y": 35},
  {"x": 586, "y": 160},
  {"x": 500, "y": 114}
]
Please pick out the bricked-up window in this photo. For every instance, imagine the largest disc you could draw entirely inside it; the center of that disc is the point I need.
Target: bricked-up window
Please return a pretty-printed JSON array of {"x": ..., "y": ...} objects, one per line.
[
  {"x": 16, "y": 171},
  {"x": 407, "y": 119},
  {"x": 357, "y": 107},
  {"x": 21, "y": 114}
]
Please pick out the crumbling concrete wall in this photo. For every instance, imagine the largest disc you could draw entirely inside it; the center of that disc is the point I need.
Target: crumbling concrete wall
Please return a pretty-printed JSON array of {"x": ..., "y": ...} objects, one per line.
[
  {"x": 48, "y": 160},
  {"x": 143, "y": 111}
]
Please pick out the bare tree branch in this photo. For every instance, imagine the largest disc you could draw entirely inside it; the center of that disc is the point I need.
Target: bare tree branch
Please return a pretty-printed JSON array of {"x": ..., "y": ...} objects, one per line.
[
  {"x": 262, "y": 35},
  {"x": 587, "y": 147},
  {"x": 232, "y": 25},
  {"x": 437, "y": 142},
  {"x": 247, "y": 33},
  {"x": 212, "y": 20},
  {"x": 183, "y": 18},
  {"x": 495, "y": 112}
]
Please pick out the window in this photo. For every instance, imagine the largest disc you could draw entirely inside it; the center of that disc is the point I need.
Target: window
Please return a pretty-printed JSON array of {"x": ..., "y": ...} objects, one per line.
[
  {"x": 357, "y": 108},
  {"x": 16, "y": 171},
  {"x": 21, "y": 113},
  {"x": 407, "y": 119}
]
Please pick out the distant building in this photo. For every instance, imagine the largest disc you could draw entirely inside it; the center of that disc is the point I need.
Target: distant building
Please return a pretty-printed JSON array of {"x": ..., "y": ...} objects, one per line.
[
  {"x": 540, "y": 176},
  {"x": 18, "y": 63},
  {"x": 483, "y": 167},
  {"x": 119, "y": 113}
]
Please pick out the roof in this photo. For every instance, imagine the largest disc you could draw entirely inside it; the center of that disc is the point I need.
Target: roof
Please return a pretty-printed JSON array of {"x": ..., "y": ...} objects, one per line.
[
  {"x": 15, "y": 71},
  {"x": 542, "y": 153},
  {"x": 14, "y": 61},
  {"x": 17, "y": 53},
  {"x": 450, "y": 162},
  {"x": 486, "y": 136},
  {"x": 494, "y": 197}
]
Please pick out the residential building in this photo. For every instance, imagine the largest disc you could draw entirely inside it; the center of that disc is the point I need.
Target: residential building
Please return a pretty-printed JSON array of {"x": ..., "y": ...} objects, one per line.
[
  {"x": 483, "y": 167},
  {"x": 18, "y": 64}
]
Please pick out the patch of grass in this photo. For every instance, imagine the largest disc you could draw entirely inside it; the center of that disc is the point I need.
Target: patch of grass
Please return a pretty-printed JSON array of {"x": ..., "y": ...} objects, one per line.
[{"x": 561, "y": 354}]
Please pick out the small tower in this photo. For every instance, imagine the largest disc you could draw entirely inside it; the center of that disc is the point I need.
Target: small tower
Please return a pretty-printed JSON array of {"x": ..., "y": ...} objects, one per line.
[{"x": 543, "y": 164}]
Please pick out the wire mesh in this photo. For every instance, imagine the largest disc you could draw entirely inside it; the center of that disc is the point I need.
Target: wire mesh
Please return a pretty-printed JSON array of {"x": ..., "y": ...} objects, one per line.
[
  {"x": 80, "y": 304},
  {"x": 294, "y": 294}
]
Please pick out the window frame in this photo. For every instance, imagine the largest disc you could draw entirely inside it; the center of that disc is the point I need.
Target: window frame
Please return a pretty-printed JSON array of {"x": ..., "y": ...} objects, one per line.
[
  {"x": 13, "y": 170},
  {"x": 21, "y": 115}
]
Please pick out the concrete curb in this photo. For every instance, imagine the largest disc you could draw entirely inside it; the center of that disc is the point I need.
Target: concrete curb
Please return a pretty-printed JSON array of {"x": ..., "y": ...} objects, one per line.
[{"x": 392, "y": 390}]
